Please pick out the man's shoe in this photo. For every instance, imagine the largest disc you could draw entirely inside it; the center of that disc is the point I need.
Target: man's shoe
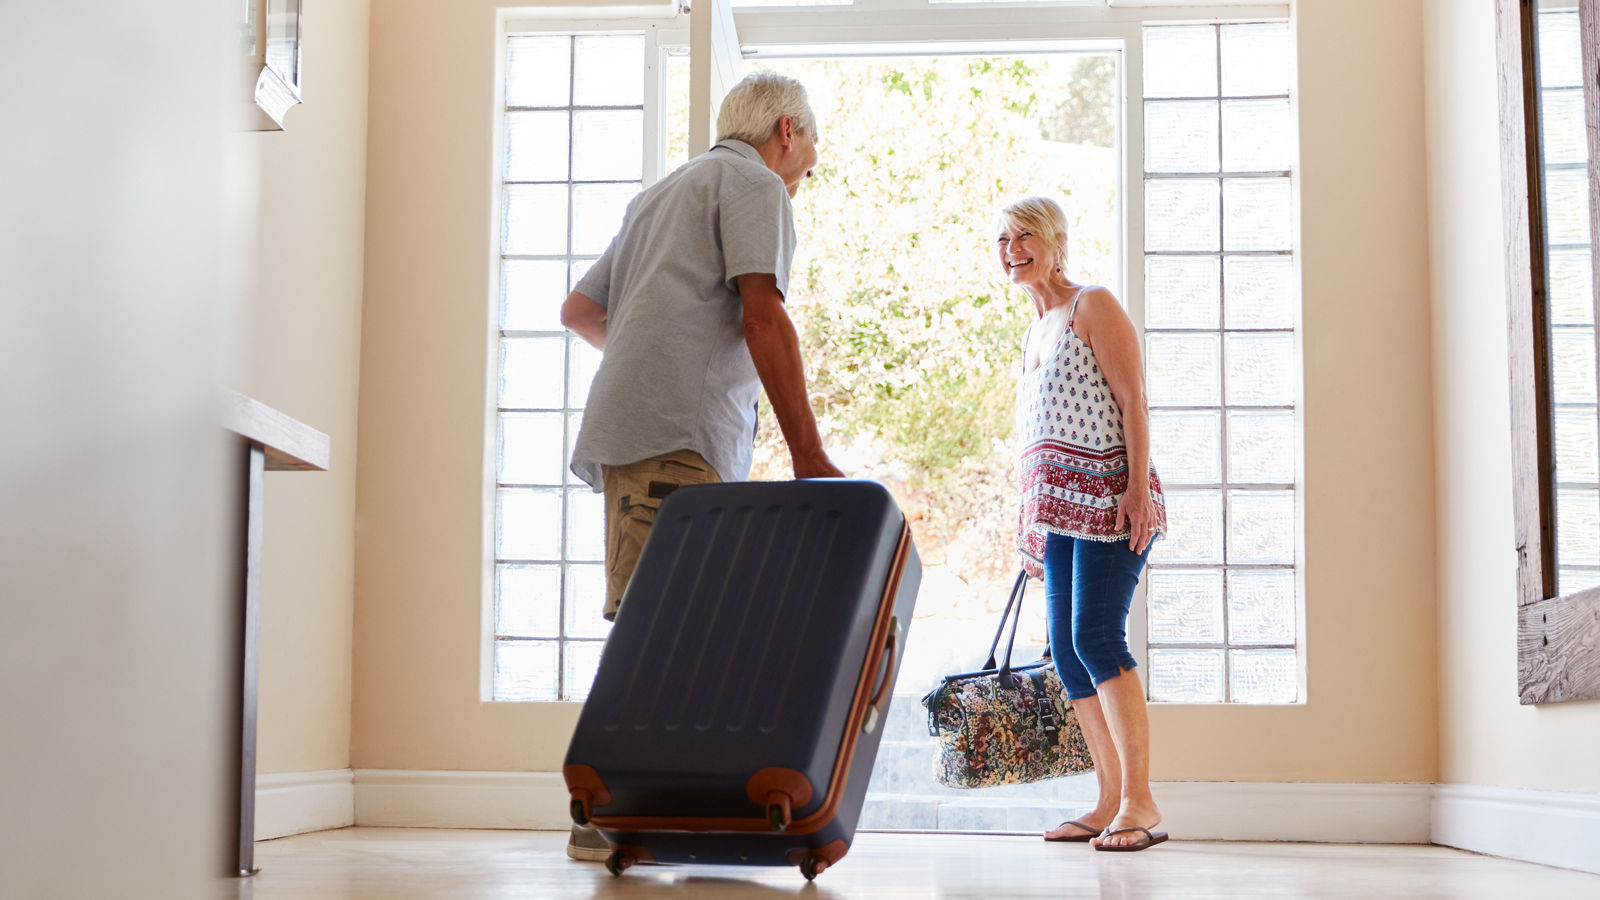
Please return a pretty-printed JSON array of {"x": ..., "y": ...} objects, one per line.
[{"x": 587, "y": 845}]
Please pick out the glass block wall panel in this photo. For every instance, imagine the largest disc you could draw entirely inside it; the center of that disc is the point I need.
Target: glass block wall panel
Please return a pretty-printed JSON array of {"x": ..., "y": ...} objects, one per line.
[
  {"x": 1180, "y": 62},
  {"x": 1181, "y": 136},
  {"x": 1183, "y": 291},
  {"x": 1187, "y": 676},
  {"x": 1571, "y": 294},
  {"x": 1183, "y": 214},
  {"x": 573, "y": 155},
  {"x": 1222, "y": 304},
  {"x": 1186, "y": 606}
]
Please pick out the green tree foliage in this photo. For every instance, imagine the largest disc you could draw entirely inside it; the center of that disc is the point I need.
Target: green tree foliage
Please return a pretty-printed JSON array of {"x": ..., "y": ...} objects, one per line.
[{"x": 911, "y": 334}]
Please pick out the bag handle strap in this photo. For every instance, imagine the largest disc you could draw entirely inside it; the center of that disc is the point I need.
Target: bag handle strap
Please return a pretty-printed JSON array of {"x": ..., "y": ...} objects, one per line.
[
  {"x": 1016, "y": 594},
  {"x": 1016, "y": 619}
]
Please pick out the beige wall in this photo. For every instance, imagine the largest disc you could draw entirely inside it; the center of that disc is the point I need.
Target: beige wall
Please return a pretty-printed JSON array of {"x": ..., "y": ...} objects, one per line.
[
  {"x": 303, "y": 355},
  {"x": 1369, "y": 450},
  {"x": 1485, "y": 736},
  {"x": 1368, "y": 494}
]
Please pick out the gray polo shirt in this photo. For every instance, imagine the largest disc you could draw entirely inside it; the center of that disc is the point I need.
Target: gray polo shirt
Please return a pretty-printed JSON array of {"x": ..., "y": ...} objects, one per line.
[{"x": 676, "y": 373}]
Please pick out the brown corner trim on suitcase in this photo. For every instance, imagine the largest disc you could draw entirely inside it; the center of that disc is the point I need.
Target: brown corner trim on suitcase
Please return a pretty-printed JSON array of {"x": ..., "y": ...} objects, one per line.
[{"x": 841, "y": 766}]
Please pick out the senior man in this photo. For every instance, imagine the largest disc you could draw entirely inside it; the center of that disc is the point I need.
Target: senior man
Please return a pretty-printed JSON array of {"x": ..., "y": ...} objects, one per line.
[{"x": 687, "y": 305}]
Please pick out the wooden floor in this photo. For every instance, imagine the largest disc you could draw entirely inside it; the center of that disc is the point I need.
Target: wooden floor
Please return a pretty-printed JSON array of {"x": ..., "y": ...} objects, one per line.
[{"x": 418, "y": 863}]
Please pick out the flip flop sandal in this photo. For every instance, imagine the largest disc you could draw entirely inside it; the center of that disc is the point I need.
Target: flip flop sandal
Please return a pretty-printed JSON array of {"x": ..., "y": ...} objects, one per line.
[
  {"x": 1075, "y": 838},
  {"x": 1150, "y": 839}
]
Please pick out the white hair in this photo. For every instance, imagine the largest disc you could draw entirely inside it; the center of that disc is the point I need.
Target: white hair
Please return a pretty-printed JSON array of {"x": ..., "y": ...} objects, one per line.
[{"x": 751, "y": 111}]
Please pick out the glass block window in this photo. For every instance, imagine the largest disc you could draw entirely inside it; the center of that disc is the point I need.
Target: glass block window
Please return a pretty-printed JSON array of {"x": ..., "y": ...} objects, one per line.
[
  {"x": 574, "y": 121},
  {"x": 1571, "y": 296},
  {"x": 1222, "y": 361}
]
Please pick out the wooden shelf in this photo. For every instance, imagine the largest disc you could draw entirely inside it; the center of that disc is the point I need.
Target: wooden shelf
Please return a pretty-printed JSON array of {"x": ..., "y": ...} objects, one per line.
[{"x": 290, "y": 445}]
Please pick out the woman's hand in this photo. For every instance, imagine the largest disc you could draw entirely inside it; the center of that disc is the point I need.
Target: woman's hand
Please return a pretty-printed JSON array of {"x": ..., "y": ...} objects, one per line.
[{"x": 1139, "y": 512}]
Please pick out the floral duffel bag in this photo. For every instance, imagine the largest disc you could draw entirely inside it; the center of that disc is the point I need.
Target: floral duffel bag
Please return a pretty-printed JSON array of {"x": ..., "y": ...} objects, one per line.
[{"x": 1005, "y": 724}]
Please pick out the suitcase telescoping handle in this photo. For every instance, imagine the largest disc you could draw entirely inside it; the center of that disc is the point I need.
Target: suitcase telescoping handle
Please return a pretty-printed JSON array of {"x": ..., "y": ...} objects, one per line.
[{"x": 880, "y": 698}]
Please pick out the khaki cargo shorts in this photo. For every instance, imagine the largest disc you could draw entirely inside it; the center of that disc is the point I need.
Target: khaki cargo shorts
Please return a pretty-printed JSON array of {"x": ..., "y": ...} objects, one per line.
[{"x": 633, "y": 494}]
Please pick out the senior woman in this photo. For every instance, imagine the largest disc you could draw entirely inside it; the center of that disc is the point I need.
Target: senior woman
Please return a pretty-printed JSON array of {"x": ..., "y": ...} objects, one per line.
[{"x": 1091, "y": 507}]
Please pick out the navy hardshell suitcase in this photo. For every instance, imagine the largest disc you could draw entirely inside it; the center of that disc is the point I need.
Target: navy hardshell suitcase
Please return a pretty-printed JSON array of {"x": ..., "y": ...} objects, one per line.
[{"x": 739, "y": 701}]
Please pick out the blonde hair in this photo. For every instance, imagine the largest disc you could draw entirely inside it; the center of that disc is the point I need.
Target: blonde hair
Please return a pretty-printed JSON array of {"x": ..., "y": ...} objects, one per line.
[
  {"x": 1042, "y": 216},
  {"x": 751, "y": 110}
]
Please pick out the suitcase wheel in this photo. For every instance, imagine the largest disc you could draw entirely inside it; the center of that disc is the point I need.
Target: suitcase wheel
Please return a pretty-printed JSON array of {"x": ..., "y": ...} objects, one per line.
[
  {"x": 775, "y": 817},
  {"x": 580, "y": 816},
  {"x": 812, "y": 866},
  {"x": 617, "y": 862}
]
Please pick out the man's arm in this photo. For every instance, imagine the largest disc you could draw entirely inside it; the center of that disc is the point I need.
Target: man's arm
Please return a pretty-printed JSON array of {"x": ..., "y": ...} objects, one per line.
[
  {"x": 585, "y": 317},
  {"x": 775, "y": 348}
]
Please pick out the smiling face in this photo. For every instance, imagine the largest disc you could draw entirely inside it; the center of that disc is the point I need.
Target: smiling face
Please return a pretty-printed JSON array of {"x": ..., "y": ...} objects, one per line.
[{"x": 1025, "y": 256}]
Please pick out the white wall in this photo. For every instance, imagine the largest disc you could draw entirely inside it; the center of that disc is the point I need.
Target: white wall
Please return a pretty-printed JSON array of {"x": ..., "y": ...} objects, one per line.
[
  {"x": 113, "y": 318},
  {"x": 1486, "y": 738}
]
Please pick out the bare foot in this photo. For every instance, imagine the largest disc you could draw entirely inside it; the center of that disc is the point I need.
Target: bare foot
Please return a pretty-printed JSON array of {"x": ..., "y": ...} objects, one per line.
[{"x": 1132, "y": 815}]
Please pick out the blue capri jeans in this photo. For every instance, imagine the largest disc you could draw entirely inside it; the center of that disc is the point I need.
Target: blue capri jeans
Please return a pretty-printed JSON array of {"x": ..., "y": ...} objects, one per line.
[{"x": 1088, "y": 586}]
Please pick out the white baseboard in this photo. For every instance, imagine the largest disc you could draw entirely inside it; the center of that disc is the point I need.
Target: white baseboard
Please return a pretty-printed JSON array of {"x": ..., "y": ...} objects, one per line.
[
  {"x": 1549, "y": 827},
  {"x": 1353, "y": 813},
  {"x": 441, "y": 799},
  {"x": 1295, "y": 811},
  {"x": 298, "y": 802}
]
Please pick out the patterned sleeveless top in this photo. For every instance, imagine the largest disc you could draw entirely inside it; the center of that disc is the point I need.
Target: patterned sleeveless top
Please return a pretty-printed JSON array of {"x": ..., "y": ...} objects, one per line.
[{"x": 1074, "y": 464}]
